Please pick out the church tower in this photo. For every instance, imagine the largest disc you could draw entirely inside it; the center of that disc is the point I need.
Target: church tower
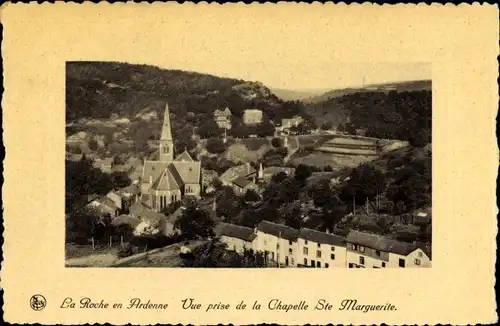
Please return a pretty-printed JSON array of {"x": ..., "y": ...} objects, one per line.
[{"x": 166, "y": 141}]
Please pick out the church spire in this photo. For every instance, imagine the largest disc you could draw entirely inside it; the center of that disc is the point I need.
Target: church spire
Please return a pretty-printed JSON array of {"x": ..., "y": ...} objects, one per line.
[
  {"x": 166, "y": 141},
  {"x": 166, "y": 131}
]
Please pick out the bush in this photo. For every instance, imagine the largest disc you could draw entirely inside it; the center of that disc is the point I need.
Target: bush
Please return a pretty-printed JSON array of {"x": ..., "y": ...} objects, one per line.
[
  {"x": 276, "y": 142},
  {"x": 215, "y": 146}
]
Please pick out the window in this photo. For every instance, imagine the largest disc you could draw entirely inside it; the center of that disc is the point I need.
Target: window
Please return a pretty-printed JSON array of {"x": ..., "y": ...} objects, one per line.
[
  {"x": 319, "y": 245},
  {"x": 318, "y": 264},
  {"x": 383, "y": 264},
  {"x": 361, "y": 260},
  {"x": 293, "y": 261},
  {"x": 305, "y": 241},
  {"x": 272, "y": 255},
  {"x": 318, "y": 254},
  {"x": 401, "y": 262},
  {"x": 361, "y": 249},
  {"x": 332, "y": 256},
  {"x": 278, "y": 245},
  {"x": 290, "y": 242},
  {"x": 290, "y": 251},
  {"x": 305, "y": 261},
  {"x": 351, "y": 265},
  {"x": 313, "y": 263},
  {"x": 377, "y": 253},
  {"x": 420, "y": 254},
  {"x": 306, "y": 251},
  {"x": 326, "y": 265},
  {"x": 417, "y": 261},
  {"x": 333, "y": 248}
]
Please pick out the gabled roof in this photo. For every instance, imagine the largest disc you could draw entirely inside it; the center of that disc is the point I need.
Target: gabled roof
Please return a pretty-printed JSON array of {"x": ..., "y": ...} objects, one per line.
[
  {"x": 136, "y": 209},
  {"x": 381, "y": 243},
  {"x": 167, "y": 181},
  {"x": 278, "y": 169},
  {"x": 127, "y": 220},
  {"x": 237, "y": 171},
  {"x": 129, "y": 190},
  {"x": 184, "y": 156},
  {"x": 278, "y": 230},
  {"x": 234, "y": 231},
  {"x": 151, "y": 217},
  {"x": 189, "y": 172},
  {"x": 153, "y": 169},
  {"x": 321, "y": 237},
  {"x": 242, "y": 182}
]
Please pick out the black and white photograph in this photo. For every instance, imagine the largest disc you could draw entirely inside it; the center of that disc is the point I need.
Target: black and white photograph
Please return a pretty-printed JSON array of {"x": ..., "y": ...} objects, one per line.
[{"x": 169, "y": 167}]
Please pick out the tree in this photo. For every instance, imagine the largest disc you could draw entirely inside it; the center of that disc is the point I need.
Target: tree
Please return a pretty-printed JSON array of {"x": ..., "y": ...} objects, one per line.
[
  {"x": 195, "y": 223},
  {"x": 364, "y": 183},
  {"x": 302, "y": 172},
  {"x": 251, "y": 196},
  {"x": 276, "y": 142},
  {"x": 228, "y": 204},
  {"x": 215, "y": 146},
  {"x": 327, "y": 125},
  {"x": 93, "y": 145},
  {"x": 209, "y": 129}
]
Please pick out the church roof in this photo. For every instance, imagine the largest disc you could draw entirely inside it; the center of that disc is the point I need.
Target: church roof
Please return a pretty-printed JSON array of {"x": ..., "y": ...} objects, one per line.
[
  {"x": 184, "y": 156},
  {"x": 189, "y": 172},
  {"x": 178, "y": 173},
  {"x": 167, "y": 180}
]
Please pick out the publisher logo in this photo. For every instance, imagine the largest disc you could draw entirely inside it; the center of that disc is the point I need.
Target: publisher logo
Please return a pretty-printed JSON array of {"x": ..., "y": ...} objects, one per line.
[{"x": 38, "y": 302}]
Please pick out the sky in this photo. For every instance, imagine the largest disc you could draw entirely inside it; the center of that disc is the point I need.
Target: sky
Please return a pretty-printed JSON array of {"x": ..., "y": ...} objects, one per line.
[{"x": 311, "y": 75}]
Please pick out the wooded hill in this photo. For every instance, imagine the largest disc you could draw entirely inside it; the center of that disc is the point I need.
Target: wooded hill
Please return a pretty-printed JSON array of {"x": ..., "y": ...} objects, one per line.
[{"x": 405, "y": 115}]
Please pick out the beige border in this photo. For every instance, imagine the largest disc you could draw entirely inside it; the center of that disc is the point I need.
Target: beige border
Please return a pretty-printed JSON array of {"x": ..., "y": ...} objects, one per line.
[{"x": 461, "y": 42}]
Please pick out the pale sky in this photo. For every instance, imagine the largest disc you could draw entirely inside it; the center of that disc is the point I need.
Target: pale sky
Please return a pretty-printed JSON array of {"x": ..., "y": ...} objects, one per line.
[{"x": 311, "y": 75}]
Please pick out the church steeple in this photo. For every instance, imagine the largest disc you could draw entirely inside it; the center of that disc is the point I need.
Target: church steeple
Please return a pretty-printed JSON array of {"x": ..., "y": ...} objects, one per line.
[{"x": 166, "y": 141}]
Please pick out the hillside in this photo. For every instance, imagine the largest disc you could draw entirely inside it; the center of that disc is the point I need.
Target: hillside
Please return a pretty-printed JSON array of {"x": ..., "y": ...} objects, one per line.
[
  {"x": 123, "y": 103},
  {"x": 293, "y": 95},
  {"x": 404, "y": 112},
  {"x": 409, "y": 86}
]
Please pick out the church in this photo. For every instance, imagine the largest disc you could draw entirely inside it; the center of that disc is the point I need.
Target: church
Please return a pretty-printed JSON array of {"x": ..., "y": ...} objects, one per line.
[{"x": 169, "y": 179}]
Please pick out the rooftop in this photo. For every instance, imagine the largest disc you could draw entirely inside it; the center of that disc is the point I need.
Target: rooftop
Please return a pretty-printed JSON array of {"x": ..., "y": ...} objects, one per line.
[
  {"x": 234, "y": 231},
  {"x": 278, "y": 230},
  {"x": 381, "y": 243},
  {"x": 321, "y": 237}
]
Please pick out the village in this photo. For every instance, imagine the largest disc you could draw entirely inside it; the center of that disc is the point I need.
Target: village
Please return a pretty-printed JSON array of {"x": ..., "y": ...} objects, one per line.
[{"x": 161, "y": 190}]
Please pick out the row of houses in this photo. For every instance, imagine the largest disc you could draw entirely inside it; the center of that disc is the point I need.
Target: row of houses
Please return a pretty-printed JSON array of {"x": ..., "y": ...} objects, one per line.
[{"x": 310, "y": 248}]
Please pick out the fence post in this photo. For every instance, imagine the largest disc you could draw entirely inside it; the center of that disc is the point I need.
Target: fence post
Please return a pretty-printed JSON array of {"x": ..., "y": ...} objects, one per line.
[
  {"x": 93, "y": 245},
  {"x": 110, "y": 240},
  {"x": 121, "y": 241}
]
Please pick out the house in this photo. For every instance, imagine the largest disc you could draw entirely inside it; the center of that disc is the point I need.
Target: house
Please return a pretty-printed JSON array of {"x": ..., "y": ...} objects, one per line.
[
  {"x": 237, "y": 238},
  {"x": 242, "y": 184},
  {"x": 320, "y": 249},
  {"x": 231, "y": 174},
  {"x": 74, "y": 157},
  {"x": 252, "y": 116},
  {"x": 278, "y": 242},
  {"x": 270, "y": 171},
  {"x": 105, "y": 165},
  {"x": 372, "y": 250},
  {"x": 103, "y": 206},
  {"x": 288, "y": 123},
  {"x": 223, "y": 118},
  {"x": 169, "y": 179},
  {"x": 136, "y": 209},
  {"x": 169, "y": 228}
]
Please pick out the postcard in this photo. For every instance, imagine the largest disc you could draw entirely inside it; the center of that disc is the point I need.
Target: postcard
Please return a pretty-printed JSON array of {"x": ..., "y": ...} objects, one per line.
[{"x": 241, "y": 164}]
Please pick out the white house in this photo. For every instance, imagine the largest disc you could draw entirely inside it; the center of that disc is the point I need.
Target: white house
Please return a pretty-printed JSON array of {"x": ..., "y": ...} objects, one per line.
[
  {"x": 320, "y": 249},
  {"x": 237, "y": 238},
  {"x": 375, "y": 251},
  {"x": 278, "y": 242}
]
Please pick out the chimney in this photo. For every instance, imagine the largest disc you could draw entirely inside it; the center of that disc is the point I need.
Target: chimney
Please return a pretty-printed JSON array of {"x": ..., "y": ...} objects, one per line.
[
  {"x": 255, "y": 230},
  {"x": 327, "y": 231},
  {"x": 150, "y": 179}
]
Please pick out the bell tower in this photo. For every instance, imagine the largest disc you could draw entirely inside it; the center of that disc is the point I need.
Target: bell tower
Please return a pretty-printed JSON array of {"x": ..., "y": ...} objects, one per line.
[{"x": 166, "y": 142}]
